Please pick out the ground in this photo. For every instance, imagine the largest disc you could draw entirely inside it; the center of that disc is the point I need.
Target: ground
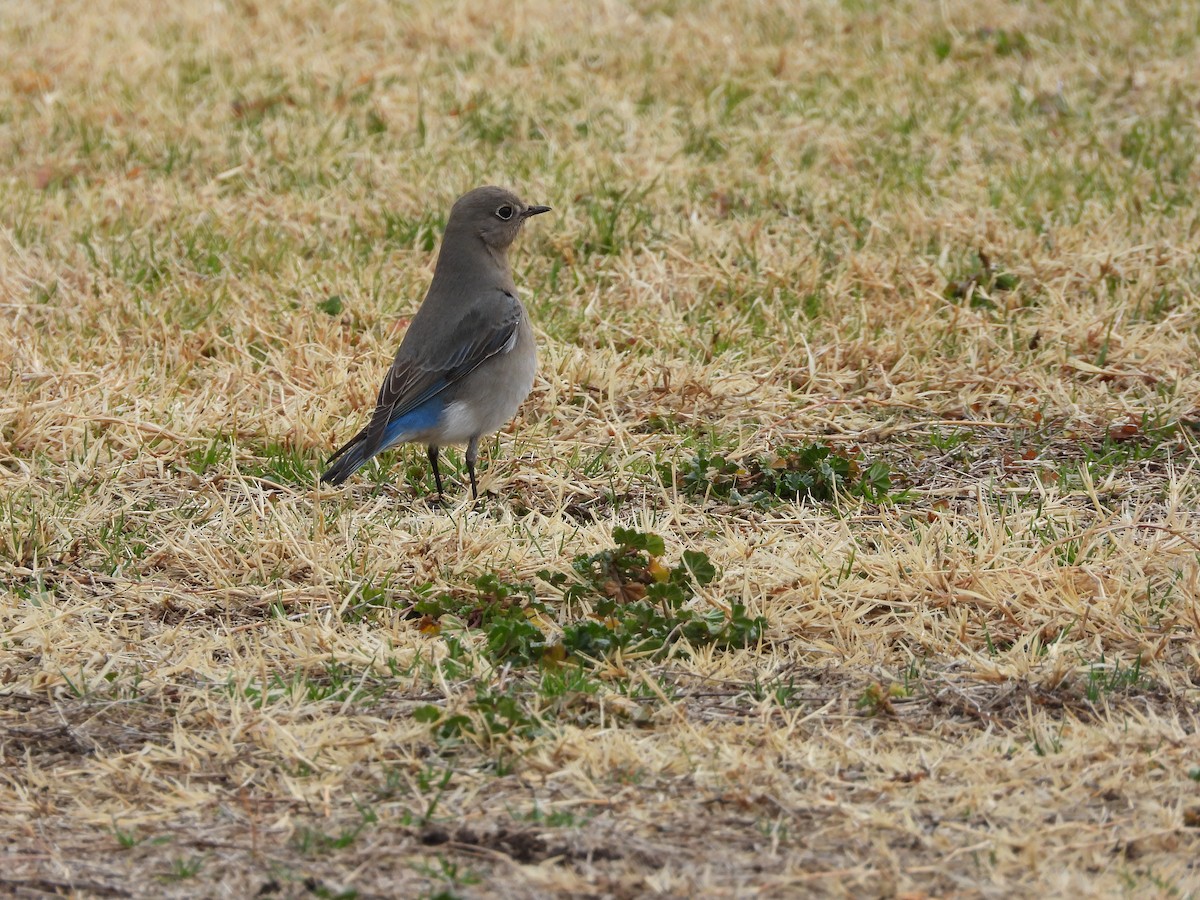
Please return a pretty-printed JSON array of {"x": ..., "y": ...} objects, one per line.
[{"x": 848, "y": 543}]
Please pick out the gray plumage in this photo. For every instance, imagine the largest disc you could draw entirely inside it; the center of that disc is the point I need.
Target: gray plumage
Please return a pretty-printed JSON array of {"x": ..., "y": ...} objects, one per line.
[{"x": 468, "y": 357}]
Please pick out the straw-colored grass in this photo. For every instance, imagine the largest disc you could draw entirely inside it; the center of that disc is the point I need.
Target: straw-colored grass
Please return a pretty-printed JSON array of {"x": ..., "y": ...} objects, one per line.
[{"x": 958, "y": 239}]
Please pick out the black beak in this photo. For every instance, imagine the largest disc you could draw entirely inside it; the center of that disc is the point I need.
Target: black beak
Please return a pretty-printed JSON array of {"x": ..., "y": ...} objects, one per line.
[{"x": 534, "y": 211}]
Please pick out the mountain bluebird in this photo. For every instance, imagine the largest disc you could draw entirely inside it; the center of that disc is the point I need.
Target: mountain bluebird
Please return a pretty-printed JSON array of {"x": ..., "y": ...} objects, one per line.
[{"x": 468, "y": 357}]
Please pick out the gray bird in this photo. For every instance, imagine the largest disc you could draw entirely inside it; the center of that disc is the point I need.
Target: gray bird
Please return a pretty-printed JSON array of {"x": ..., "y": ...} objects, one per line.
[{"x": 468, "y": 357}]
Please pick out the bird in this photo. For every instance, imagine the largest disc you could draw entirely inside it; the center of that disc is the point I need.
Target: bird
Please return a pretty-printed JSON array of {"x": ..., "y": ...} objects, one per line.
[{"x": 468, "y": 358}]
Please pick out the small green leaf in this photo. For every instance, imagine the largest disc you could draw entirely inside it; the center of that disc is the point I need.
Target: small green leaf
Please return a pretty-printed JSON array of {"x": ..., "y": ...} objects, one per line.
[
  {"x": 630, "y": 539},
  {"x": 427, "y": 713},
  {"x": 700, "y": 565},
  {"x": 331, "y": 305},
  {"x": 655, "y": 545}
]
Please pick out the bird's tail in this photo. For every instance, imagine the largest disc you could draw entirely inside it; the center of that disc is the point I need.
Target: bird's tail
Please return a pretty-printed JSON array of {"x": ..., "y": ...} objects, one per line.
[
  {"x": 380, "y": 434},
  {"x": 348, "y": 460}
]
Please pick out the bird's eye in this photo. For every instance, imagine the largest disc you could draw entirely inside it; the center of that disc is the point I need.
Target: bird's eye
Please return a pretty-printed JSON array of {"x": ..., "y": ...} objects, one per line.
[{"x": 505, "y": 212}]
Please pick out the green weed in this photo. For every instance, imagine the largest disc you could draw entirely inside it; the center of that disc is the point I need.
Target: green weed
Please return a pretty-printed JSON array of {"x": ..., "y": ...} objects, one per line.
[{"x": 808, "y": 472}]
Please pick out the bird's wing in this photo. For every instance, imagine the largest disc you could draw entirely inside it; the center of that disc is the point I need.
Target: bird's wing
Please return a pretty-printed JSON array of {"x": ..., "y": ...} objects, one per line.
[{"x": 424, "y": 368}]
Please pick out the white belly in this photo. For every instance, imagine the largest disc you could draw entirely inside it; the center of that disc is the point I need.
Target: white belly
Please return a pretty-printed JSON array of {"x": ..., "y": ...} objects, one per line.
[{"x": 489, "y": 397}]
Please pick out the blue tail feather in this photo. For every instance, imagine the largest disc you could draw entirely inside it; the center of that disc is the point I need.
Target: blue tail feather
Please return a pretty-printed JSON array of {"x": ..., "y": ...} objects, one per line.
[{"x": 354, "y": 455}]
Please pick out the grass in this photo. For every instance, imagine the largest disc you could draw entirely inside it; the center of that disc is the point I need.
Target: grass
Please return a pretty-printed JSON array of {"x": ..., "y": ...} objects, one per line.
[{"x": 847, "y": 543}]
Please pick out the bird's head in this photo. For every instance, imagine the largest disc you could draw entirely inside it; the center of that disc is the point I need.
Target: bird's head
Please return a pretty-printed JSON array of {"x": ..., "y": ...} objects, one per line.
[{"x": 493, "y": 214}]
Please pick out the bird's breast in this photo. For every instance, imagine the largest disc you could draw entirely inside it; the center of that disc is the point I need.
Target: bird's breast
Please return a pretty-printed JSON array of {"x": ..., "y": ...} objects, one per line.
[{"x": 486, "y": 399}]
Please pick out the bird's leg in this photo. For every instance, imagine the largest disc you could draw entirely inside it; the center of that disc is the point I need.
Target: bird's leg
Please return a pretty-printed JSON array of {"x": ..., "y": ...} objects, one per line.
[
  {"x": 437, "y": 476},
  {"x": 472, "y": 455}
]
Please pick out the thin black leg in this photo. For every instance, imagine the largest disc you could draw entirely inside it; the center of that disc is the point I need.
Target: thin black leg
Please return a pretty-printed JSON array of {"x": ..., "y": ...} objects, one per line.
[
  {"x": 472, "y": 455},
  {"x": 437, "y": 475},
  {"x": 474, "y": 487}
]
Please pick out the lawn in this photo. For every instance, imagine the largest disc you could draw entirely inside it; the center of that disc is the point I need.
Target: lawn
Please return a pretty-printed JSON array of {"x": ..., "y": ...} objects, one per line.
[{"x": 848, "y": 544}]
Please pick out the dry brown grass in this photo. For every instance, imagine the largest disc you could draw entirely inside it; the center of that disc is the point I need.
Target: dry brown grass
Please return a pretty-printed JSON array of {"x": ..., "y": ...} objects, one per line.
[{"x": 985, "y": 687}]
